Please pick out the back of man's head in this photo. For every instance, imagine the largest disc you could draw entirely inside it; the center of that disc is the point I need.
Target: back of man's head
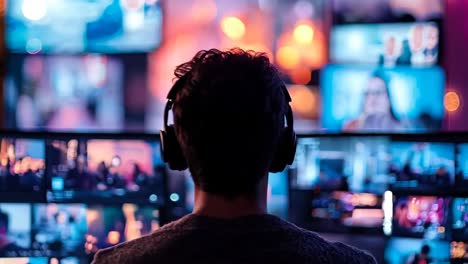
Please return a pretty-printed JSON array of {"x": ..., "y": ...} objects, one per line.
[{"x": 228, "y": 117}]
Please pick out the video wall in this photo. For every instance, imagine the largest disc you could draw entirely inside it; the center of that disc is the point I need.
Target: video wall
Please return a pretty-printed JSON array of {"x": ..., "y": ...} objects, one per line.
[{"x": 410, "y": 188}]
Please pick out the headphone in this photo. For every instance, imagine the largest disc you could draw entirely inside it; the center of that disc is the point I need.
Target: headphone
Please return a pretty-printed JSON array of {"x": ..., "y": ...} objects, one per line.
[{"x": 172, "y": 153}]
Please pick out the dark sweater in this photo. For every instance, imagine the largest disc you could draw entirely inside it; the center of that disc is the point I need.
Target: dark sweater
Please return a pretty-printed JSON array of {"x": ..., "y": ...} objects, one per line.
[{"x": 250, "y": 239}]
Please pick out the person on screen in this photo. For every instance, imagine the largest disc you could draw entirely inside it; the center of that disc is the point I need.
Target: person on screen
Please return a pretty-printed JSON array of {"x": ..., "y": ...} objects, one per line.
[
  {"x": 392, "y": 51},
  {"x": 229, "y": 116},
  {"x": 6, "y": 245},
  {"x": 431, "y": 33},
  {"x": 413, "y": 47},
  {"x": 422, "y": 257},
  {"x": 377, "y": 113}
]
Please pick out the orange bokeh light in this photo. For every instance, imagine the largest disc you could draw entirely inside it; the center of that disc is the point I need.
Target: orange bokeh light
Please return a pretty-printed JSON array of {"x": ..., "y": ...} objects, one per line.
[
  {"x": 304, "y": 101},
  {"x": 303, "y": 34},
  {"x": 451, "y": 101},
  {"x": 233, "y": 27},
  {"x": 288, "y": 57},
  {"x": 300, "y": 75}
]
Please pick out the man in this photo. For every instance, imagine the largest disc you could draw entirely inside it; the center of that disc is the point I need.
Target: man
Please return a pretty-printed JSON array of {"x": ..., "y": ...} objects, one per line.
[{"x": 229, "y": 121}]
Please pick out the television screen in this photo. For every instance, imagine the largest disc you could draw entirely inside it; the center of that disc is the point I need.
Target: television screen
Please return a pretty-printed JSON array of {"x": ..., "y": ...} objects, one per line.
[
  {"x": 355, "y": 164},
  {"x": 420, "y": 217},
  {"x": 343, "y": 211},
  {"x": 377, "y": 11},
  {"x": 64, "y": 93},
  {"x": 15, "y": 230},
  {"x": 111, "y": 225},
  {"x": 22, "y": 165},
  {"x": 387, "y": 45},
  {"x": 408, "y": 250},
  {"x": 459, "y": 252},
  {"x": 62, "y": 26},
  {"x": 460, "y": 219},
  {"x": 422, "y": 166},
  {"x": 59, "y": 229},
  {"x": 370, "y": 99},
  {"x": 124, "y": 170}
]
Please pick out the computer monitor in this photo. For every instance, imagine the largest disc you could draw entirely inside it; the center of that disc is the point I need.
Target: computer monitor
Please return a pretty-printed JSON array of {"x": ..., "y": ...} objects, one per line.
[
  {"x": 15, "y": 229},
  {"x": 460, "y": 219},
  {"x": 386, "y": 45},
  {"x": 58, "y": 230},
  {"x": 406, "y": 250},
  {"x": 64, "y": 93},
  {"x": 62, "y": 26},
  {"x": 346, "y": 163},
  {"x": 421, "y": 166},
  {"x": 108, "y": 169},
  {"x": 421, "y": 217},
  {"x": 22, "y": 169},
  {"x": 341, "y": 212},
  {"x": 375, "y": 99}
]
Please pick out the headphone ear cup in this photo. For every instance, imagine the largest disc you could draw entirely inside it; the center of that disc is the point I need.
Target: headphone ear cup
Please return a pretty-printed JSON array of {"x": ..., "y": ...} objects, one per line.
[
  {"x": 285, "y": 152},
  {"x": 171, "y": 151}
]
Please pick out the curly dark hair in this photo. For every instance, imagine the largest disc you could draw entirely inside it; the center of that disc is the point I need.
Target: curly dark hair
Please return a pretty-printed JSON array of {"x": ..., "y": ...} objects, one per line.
[{"x": 228, "y": 117}]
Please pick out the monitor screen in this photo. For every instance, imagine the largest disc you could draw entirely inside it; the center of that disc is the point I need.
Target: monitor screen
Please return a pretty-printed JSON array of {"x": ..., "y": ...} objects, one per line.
[
  {"x": 354, "y": 164},
  {"x": 118, "y": 170},
  {"x": 378, "y": 11},
  {"x": 110, "y": 26},
  {"x": 64, "y": 93},
  {"x": 460, "y": 219},
  {"x": 111, "y": 225},
  {"x": 420, "y": 217},
  {"x": 406, "y": 250},
  {"x": 343, "y": 211},
  {"x": 22, "y": 165},
  {"x": 369, "y": 99},
  {"x": 59, "y": 229},
  {"x": 422, "y": 166},
  {"x": 15, "y": 225},
  {"x": 387, "y": 45}
]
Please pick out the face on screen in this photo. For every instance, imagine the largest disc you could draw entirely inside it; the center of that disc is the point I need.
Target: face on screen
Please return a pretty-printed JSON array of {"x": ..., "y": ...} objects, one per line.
[
  {"x": 35, "y": 26},
  {"x": 420, "y": 216},
  {"x": 386, "y": 45},
  {"x": 422, "y": 166},
  {"x": 398, "y": 100},
  {"x": 356, "y": 164},
  {"x": 22, "y": 164},
  {"x": 96, "y": 168},
  {"x": 111, "y": 225}
]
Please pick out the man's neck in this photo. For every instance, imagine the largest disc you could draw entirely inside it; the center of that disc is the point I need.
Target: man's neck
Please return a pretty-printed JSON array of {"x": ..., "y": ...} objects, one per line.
[{"x": 218, "y": 206}]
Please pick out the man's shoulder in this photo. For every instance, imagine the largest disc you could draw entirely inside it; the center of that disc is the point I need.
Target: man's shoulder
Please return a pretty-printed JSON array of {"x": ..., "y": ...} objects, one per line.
[
  {"x": 316, "y": 247},
  {"x": 134, "y": 251}
]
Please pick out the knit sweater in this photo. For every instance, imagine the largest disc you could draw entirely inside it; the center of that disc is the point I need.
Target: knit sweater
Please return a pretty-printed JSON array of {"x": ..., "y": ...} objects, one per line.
[{"x": 250, "y": 239}]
